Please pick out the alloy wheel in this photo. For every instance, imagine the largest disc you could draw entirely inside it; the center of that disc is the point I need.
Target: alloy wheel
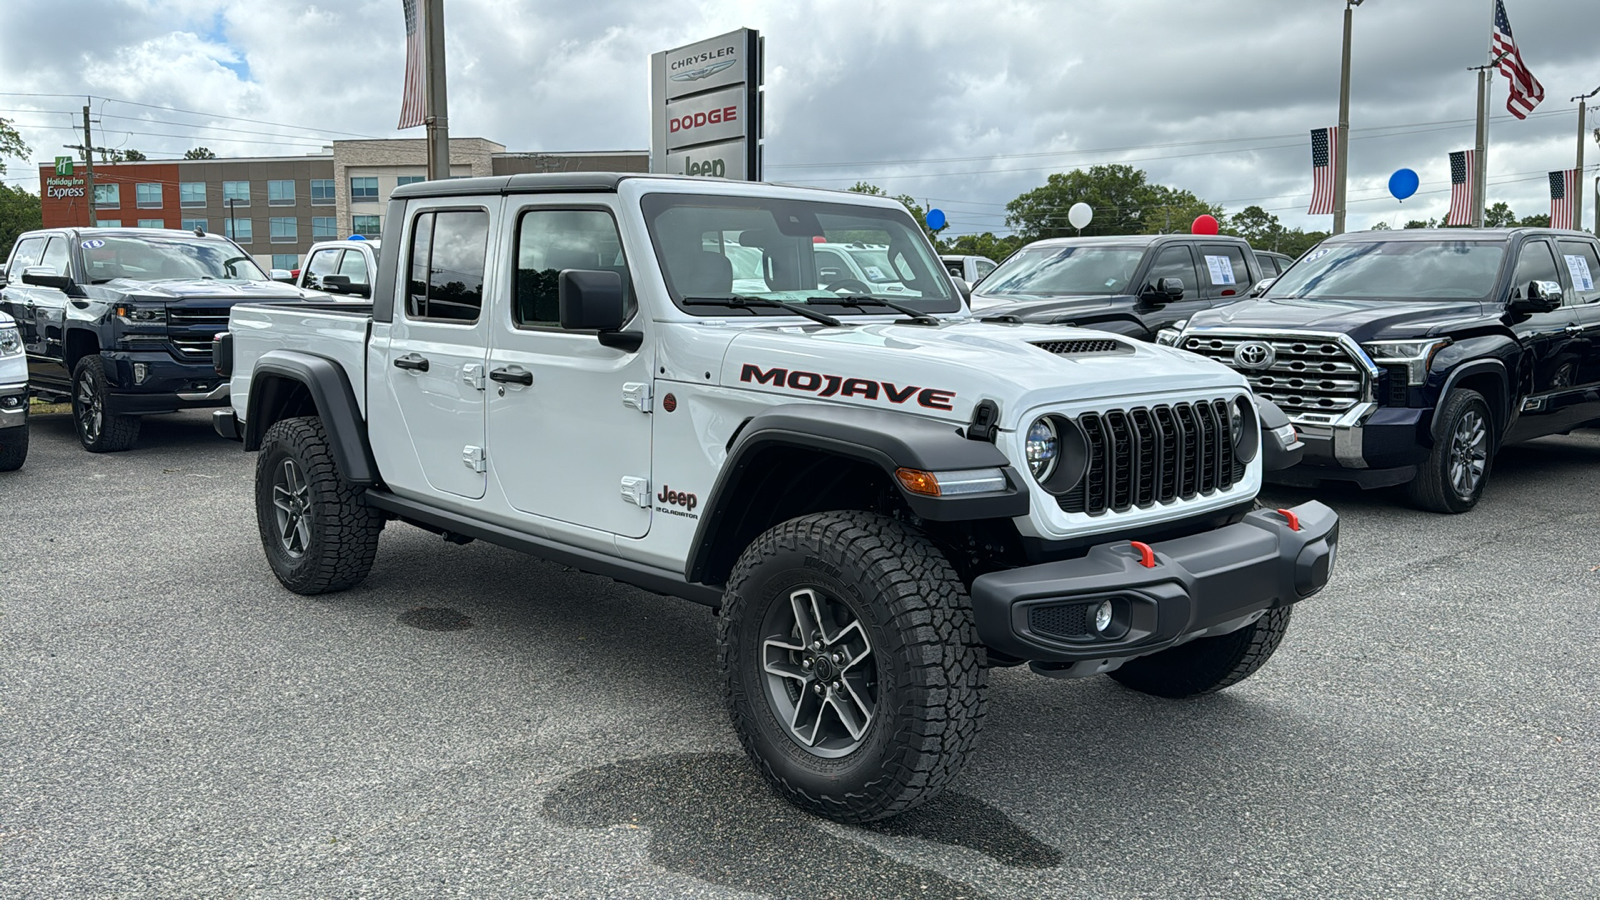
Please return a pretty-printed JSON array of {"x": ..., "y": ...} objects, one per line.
[
  {"x": 820, "y": 675},
  {"x": 1469, "y": 453},
  {"x": 91, "y": 411},
  {"x": 291, "y": 499}
]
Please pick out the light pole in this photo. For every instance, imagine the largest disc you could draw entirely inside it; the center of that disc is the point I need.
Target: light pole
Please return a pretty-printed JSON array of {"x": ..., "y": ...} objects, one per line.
[
  {"x": 232, "y": 234},
  {"x": 1341, "y": 166},
  {"x": 1577, "y": 179}
]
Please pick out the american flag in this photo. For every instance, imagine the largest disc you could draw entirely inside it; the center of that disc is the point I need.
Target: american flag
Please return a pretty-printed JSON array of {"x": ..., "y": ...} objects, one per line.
[
  {"x": 1562, "y": 186},
  {"x": 1526, "y": 91},
  {"x": 1461, "y": 175},
  {"x": 412, "y": 107},
  {"x": 1324, "y": 147}
]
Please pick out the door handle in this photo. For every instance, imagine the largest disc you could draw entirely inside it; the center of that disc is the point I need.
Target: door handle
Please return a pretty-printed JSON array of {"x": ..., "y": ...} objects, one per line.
[
  {"x": 1575, "y": 329},
  {"x": 512, "y": 375},
  {"x": 411, "y": 362}
]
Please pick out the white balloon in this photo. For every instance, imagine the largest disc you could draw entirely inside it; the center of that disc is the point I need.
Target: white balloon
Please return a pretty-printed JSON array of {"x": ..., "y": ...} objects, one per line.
[{"x": 1080, "y": 215}]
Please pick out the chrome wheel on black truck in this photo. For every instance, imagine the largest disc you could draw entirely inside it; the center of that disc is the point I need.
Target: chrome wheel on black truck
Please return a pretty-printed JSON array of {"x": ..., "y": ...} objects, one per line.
[
  {"x": 317, "y": 534},
  {"x": 1452, "y": 478},
  {"x": 854, "y": 673}
]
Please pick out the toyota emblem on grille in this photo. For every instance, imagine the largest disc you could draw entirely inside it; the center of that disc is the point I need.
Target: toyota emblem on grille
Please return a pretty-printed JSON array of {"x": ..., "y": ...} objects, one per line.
[{"x": 1254, "y": 355}]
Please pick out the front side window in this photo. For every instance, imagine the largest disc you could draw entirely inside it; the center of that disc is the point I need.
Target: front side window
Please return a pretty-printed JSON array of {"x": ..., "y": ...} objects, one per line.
[
  {"x": 365, "y": 188},
  {"x": 236, "y": 191},
  {"x": 55, "y": 256},
  {"x": 714, "y": 248},
  {"x": 355, "y": 266},
  {"x": 238, "y": 229},
  {"x": 1393, "y": 270},
  {"x": 323, "y": 228},
  {"x": 366, "y": 226},
  {"x": 148, "y": 196},
  {"x": 324, "y": 262},
  {"x": 160, "y": 257},
  {"x": 1177, "y": 262},
  {"x": 1534, "y": 263},
  {"x": 322, "y": 192},
  {"x": 192, "y": 193},
  {"x": 549, "y": 240},
  {"x": 284, "y": 229},
  {"x": 1060, "y": 271},
  {"x": 983, "y": 267},
  {"x": 446, "y": 265},
  {"x": 107, "y": 196},
  {"x": 280, "y": 192},
  {"x": 27, "y": 253}
]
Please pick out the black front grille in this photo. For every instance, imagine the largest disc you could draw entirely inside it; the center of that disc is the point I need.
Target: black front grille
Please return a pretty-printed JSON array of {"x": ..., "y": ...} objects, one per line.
[
  {"x": 1083, "y": 346},
  {"x": 1067, "y": 620},
  {"x": 1147, "y": 455},
  {"x": 191, "y": 327}
]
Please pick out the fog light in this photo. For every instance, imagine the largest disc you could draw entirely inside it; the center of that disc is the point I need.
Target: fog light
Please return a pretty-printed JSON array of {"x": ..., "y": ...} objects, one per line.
[
  {"x": 1104, "y": 615},
  {"x": 141, "y": 371}
]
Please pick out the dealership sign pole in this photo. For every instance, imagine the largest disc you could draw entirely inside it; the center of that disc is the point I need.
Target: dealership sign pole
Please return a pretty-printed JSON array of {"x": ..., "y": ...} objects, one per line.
[{"x": 706, "y": 108}]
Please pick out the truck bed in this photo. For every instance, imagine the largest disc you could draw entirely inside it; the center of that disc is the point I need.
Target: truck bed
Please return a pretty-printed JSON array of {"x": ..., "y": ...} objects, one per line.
[{"x": 334, "y": 330}]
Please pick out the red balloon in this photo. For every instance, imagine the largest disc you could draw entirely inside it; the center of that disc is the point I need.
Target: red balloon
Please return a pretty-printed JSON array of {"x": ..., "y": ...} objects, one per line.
[{"x": 1204, "y": 224}]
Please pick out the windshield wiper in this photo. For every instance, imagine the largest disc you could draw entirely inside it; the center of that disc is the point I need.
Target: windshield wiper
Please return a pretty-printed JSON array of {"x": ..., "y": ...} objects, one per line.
[
  {"x": 858, "y": 300},
  {"x": 741, "y": 301}
]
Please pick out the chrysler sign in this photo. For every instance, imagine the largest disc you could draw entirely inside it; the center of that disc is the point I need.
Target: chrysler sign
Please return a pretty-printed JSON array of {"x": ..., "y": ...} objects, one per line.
[{"x": 705, "y": 108}]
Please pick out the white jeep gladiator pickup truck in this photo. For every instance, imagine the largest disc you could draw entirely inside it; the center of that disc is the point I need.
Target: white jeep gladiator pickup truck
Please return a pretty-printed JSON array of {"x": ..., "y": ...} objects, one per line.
[{"x": 881, "y": 496}]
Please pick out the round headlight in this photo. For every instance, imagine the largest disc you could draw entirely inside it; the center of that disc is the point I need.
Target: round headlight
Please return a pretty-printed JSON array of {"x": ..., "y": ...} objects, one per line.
[
  {"x": 1235, "y": 425},
  {"x": 1244, "y": 426},
  {"x": 1043, "y": 448}
]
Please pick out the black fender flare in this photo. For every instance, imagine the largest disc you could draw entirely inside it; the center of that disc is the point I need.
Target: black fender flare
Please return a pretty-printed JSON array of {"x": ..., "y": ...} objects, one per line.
[
  {"x": 887, "y": 440},
  {"x": 325, "y": 380},
  {"x": 1506, "y": 402}
]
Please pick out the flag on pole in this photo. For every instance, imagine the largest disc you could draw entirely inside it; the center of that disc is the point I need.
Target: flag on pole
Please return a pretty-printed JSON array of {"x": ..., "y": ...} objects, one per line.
[
  {"x": 1461, "y": 170},
  {"x": 1324, "y": 146},
  {"x": 1563, "y": 185},
  {"x": 1526, "y": 91},
  {"x": 413, "y": 109}
]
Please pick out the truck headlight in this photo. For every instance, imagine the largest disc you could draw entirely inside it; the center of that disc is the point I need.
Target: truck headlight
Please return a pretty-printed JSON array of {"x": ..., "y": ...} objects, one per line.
[
  {"x": 10, "y": 342},
  {"x": 142, "y": 315},
  {"x": 1057, "y": 453},
  {"x": 1417, "y": 355},
  {"x": 1168, "y": 337},
  {"x": 1042, "y": 447},
  {"x": 1244, "y": 428}
]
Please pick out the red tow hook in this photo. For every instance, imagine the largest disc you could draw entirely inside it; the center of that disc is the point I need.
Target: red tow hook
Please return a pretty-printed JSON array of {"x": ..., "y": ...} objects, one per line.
[
  {"x": 1291, "y": 518},
  {"x": 1147, "y": 556}
]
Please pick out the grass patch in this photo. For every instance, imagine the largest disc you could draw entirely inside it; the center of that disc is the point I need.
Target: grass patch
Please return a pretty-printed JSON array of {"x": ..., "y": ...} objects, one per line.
[{"x": 41, "y": 408}]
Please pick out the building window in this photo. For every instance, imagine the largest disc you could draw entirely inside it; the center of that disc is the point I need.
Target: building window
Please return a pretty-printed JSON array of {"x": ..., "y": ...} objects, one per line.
[
  {"x": 152, "y": 223},
  {"x": 363, "y": 189},
  {"x": 410, "y": 179},
  {"x": 286, "y": 260},
  {"x": 148, "y": 196},
  {"x": 285, "y": 230},
  {"x": 366, "y": 226},
  {"x": 110, "y": 223},
  {"x": 322, "y": 192},
  {"x": 192, "y": 193},
  {"x": 238, "y": 229},
  {"x": 107, "y": 196},
  {"x": 237, "y": 191},
  {"x": 324, "y": 228},
  {"x": 192, "y": 224},
  {"x": 280, "y": 193}
]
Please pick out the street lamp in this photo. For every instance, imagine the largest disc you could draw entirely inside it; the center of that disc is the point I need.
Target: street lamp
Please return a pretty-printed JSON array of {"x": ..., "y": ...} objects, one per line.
[
  {"x": 233, "y": 235},
  {"x": 1341, "y": 166}
]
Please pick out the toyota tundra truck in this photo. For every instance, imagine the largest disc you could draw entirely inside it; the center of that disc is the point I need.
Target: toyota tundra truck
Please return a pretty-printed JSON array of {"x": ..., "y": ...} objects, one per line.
[{"x": 881, "y": 496}]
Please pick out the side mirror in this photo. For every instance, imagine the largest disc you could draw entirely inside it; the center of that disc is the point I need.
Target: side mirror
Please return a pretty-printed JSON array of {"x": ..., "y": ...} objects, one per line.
[
  {"x": 1261, "y": 286},
  {"x": 282, "y": 275},
  {"x": 1162, "y": 292},
  {"x": 1538, "y": 297},
  {"x": 336, "y": 284},
  {"x": 590, "y": 299},
  {"x": 46, "y": 276},
  {"x": 962, "y": 287}
]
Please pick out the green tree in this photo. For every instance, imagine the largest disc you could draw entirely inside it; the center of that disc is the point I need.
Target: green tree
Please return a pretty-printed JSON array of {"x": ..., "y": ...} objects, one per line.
[
  {"x": 134, "y": 156},
  {"x": 1539, "y": 220},
  {"x": 199, "y": 153},
  {"x": 985, "y": 244},
  {"x": 1261, "y": 228},
  {"x": 1122, "y": 197},
  {"x": 1295, "y": 241},
  {"x": 917, "y": 212},
  {"x": 1379, "y": 226},
  {"x": 1422, "y": 223},
  {"x": 19, "y": 212},
  {"x": 1499, "y": 216},
  {"x": 11, "y": 144}
]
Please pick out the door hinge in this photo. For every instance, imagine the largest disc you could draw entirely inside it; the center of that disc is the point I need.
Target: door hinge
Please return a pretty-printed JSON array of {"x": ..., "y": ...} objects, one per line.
[
  {"x": 636, "y": 490},
  {"x": 472, "y": 374},
  {"x": 637, "y": 395},
  {"x": 474, "y": 458}
]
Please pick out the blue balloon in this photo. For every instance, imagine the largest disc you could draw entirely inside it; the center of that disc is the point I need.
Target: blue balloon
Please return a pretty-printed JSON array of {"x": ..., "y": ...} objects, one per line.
[
  {"x": 356, "y": 237},
  {"x": 935, "y": 219},
  {"x": 1403, "y": 183}
]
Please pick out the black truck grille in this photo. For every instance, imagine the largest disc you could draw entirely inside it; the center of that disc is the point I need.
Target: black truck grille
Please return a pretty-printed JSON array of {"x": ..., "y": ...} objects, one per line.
[
  {"x": 191, "y": 328},
  {"x": 1147, "y": 455}
]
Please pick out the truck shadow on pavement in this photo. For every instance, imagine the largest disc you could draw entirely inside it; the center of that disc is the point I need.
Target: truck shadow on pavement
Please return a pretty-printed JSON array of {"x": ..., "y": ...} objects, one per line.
[{"x": 710, "y": 816}]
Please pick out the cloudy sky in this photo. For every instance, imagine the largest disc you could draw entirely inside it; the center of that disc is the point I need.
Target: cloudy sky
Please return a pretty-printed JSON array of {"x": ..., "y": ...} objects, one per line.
[{"x": 963, "y": 104}]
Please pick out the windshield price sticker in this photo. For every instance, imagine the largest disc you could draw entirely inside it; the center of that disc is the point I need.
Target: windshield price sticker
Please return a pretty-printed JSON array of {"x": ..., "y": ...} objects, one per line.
[
  {"x": 1221, "y": 269},
  {"x": 1582, "y": 278},
  {"x": 1316, "y": 254},
  {"x": 96, "y": 244},
  {"x": 876, "y": 274}
]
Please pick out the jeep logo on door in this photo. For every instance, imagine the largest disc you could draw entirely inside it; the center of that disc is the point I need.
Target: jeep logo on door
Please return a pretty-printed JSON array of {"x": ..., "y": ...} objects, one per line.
[{"x": 1254, "y": 355}]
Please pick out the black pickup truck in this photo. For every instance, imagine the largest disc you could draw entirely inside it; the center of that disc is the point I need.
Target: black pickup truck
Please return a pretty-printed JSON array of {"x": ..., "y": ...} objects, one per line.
[
  {"x": 1134, "y": 285},
  {"x": 1411, "y": 357},
  {"x": 121, "y": 320}
]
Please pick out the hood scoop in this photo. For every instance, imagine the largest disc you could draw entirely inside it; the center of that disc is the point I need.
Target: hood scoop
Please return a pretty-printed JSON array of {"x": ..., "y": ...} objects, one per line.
[{"x": 1083, "y": 346}]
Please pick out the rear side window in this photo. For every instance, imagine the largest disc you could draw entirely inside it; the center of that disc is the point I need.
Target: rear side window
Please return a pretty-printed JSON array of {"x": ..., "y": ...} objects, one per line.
[
  {"x": 1175, "y": 262},
  {"x": 550, "y": 240},
  {"x": 55, "y": 256},
  {"x": 26, "y": 254},
  {"x": 1224, "y": 270},
  {"x": 445, "y": 266},
  {"x": 1584, "y": 269}
]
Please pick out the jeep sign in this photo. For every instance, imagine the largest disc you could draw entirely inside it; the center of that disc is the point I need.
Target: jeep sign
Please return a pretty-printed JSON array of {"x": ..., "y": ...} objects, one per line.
[{"x": 705, "y": 108}]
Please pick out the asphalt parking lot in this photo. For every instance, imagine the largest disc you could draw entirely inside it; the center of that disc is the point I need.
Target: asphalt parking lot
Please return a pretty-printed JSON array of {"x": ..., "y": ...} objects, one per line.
[{"x": 473, "y": 723}]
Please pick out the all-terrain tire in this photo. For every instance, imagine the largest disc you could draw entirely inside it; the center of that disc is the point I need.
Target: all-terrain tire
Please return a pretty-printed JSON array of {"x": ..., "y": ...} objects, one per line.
[
  {"x": 925, "y": 688},
  {"x": 98, "y": 429},
  {"x": 1206, "y": 665},
  {"x": 13, "y": 447},
  {"x": 317, "y": 533},
  {"x": 1435, "y": 488}
]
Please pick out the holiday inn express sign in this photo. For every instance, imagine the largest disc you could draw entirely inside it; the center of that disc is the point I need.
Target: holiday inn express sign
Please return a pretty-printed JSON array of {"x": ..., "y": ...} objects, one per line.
[{"x": 705, "y": 108}]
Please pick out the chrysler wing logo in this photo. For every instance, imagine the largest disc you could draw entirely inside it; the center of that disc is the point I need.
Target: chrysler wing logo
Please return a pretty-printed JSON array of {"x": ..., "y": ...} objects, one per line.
[
  {"x": 703, "y": 71},
  {"x": 1254, "y": 355}
]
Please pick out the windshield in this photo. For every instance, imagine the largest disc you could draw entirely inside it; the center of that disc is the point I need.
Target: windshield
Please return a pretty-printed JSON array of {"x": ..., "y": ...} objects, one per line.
[
  {"x": 1065, "y": 270},
  {"x": 1393, "y": 270},
  {"x": 796, "y": 251},
  {"x": 166, "y": 258}
]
